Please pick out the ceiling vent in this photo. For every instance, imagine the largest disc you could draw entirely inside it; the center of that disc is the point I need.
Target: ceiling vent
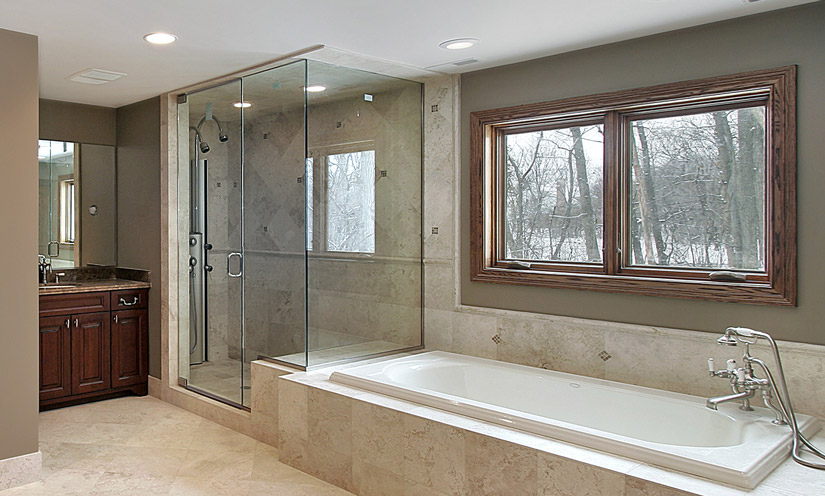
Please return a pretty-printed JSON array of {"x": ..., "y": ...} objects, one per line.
[
  {"x": 95, "y": 76},
  {"x": 465, "y": 62},
  {"x": 456, "y": 63}
]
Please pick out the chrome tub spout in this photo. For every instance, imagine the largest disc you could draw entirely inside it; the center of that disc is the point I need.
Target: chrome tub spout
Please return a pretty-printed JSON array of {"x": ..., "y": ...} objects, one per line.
[{"x": 713, "y": 403}]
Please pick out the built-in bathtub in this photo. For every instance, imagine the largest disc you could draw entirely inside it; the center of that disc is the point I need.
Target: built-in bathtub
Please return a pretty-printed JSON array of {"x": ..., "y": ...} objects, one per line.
[{"x": 667, "y": 429}]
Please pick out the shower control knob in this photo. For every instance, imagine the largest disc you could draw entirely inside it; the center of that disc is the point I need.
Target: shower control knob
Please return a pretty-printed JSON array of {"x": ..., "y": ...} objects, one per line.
[{"x": 207, "y": 268}]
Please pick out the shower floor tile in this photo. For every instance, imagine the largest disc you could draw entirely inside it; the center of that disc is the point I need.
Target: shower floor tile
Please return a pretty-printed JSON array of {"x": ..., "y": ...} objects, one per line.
[
  {"x": 223, "y": 378},
  {"x": 130, "y": 454}
]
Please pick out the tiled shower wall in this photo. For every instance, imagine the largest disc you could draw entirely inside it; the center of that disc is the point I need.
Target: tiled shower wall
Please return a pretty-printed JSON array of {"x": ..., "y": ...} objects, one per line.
[
  {"x": 671, "y": 359},
  {"x": 351, "y": 299}
]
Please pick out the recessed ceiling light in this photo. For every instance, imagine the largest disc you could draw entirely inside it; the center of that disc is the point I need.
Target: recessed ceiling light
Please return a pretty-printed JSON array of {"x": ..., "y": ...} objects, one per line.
[
  {"x": 160, "y": 38},
  {"x": 458, "y": 43},
  {"x": 317, "y": 88},
  {"x": 242, "y": 104}
]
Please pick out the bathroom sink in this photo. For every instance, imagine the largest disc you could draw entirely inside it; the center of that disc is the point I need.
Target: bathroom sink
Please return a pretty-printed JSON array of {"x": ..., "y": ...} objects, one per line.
[{"x": 59, "y": 286}]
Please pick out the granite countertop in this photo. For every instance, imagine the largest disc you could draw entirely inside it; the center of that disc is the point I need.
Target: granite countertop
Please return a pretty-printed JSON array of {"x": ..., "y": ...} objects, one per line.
[
  {"x": 90, "y": 286},
  {"x": 89, "y": 279}
]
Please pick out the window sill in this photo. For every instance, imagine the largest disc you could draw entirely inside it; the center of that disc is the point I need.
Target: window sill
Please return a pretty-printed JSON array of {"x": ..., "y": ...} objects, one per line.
[{"x": 758, "y": 293}]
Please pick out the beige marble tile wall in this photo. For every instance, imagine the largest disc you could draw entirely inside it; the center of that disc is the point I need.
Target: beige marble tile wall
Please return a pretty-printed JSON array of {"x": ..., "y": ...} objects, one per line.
[{"x": 671, "y": 359}]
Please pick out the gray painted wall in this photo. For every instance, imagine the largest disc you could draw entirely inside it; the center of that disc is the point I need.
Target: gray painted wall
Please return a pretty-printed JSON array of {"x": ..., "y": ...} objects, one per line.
[
  {"x": 76, "y": 122},
  {"x": 18, "y": 228},
  {"x": 97, "y": 187},
  {"x": 138, "y": 204},
  {"x": 785, "y": 37}
]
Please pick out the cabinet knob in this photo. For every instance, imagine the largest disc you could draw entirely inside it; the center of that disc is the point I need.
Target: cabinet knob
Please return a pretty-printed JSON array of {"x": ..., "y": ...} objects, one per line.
[
  {"x": 76, "y": 323},
  {"x": 69, "y": 323},
  {"x": 115, "y": 318}
]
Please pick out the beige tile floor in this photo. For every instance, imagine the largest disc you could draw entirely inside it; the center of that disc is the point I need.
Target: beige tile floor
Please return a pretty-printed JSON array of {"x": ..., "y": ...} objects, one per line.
[{"x": 143, "y": 446}]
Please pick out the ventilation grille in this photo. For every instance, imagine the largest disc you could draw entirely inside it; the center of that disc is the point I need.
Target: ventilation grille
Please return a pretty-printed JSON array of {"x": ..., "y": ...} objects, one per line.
[
  {"x": 465, "y": 62},
  {"x": 95, "y": 76}
]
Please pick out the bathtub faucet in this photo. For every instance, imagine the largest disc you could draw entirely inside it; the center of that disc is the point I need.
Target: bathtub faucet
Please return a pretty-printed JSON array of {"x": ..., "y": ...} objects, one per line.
[{"x": 744, "y": 383}]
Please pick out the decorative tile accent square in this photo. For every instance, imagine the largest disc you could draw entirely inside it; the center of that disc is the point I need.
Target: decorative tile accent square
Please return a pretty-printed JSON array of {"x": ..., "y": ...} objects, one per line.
[
  {"x": 497, "y": 339},
  {"x": 605, "y": 356},
  {"x": 435, "y": 230},
  {"x": 434, "y": 108}
]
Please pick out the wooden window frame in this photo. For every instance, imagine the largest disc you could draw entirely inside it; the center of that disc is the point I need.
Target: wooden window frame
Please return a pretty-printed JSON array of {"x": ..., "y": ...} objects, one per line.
[{"x": 776, "y": 285}]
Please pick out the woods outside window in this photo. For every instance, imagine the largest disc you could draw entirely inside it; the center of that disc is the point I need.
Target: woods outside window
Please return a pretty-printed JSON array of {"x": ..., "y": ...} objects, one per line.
[
  {"x": 341, "y": 199},
  {"x": 686, "y": 189}
]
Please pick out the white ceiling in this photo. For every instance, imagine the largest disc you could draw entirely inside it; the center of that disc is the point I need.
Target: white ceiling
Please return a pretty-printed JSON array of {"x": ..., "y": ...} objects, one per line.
[{"x": 217, "y": 37}]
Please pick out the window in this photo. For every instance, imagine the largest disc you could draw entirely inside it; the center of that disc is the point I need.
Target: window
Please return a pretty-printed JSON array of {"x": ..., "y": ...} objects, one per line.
[
  {"x": 685, "y": 190},
  {"x": 67, "y": 210},
  {"x": 344, "y": 202}
]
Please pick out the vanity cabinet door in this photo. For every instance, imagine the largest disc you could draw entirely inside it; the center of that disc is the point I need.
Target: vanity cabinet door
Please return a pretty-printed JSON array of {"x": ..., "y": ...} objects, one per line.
[
  {"x": 90, "y": 352},
  {"x": 130, "y": 336},
  {"x": 55, "y": 357}
]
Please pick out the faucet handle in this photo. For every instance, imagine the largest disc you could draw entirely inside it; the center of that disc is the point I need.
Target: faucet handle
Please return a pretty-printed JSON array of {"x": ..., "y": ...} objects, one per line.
[
  {"x": 731, "y": 365},
  {"x": 711, "y": 366}
]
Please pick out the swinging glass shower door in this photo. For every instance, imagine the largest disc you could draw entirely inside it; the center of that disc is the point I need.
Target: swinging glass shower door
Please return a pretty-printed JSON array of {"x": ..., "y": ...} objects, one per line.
[{"x": 212, "y": 182}]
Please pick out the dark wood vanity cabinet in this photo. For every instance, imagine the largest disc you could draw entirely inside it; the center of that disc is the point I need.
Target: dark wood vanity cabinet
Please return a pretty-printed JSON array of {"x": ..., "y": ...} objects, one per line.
[{"x": 90, "y": 348}]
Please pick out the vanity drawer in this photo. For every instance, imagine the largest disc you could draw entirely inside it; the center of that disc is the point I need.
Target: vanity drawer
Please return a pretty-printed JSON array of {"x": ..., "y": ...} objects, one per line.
[
  {"x": 127, "y": 299},
  {"x": 69, "y": 304}
]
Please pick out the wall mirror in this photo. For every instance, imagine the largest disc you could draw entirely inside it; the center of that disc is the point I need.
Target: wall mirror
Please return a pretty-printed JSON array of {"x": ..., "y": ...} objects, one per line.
[{"x": 77, "y": 204}]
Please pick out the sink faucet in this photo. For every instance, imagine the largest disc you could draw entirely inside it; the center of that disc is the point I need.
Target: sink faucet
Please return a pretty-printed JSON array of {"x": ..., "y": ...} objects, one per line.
[
  {"x": 44, "y": 268},
  {"x": 744, "y": 383}
]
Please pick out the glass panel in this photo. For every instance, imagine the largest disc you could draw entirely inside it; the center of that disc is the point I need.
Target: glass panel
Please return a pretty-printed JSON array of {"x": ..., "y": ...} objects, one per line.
[
  {"x": 698, "y": 190},
  {"x": 351, "y": 202},
  {"x": 552, "y": 205},
  {"x": 211, "y": 186},
  {"x": 275, "y": 213},
  {"x": 364, "y": 273}
]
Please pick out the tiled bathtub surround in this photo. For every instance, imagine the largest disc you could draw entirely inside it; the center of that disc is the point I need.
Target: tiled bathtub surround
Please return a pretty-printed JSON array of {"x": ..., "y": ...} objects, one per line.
[{"x": 371, "y": 444}]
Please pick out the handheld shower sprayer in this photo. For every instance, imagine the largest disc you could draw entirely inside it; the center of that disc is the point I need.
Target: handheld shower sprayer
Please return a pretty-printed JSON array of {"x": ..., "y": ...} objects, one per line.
[{"x": 771, "y": 388}]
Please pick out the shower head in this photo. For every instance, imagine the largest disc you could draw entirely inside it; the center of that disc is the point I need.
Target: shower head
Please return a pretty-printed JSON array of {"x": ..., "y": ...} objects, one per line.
[
  {"x": 727, "y": 339},
  {"x": 222, "y": 136},
  {"x": 736, "y": 335},
  {"x": 204, "y": 146}
]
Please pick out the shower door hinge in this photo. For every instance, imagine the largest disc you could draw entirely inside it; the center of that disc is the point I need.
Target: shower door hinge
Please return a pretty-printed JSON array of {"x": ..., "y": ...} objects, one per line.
[{"x": 181, "y": 98}]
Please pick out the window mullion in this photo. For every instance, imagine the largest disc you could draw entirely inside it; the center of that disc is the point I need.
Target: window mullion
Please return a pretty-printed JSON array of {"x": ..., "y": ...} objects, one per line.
[{"x": 612, "y": 188}]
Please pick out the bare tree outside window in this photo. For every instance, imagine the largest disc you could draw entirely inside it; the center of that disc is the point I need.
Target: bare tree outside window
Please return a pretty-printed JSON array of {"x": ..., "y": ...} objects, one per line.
[
  {"x": 350, "y": 208},
  {"x": 698, "y": 189},
  {"x": 553, "y": 194}
]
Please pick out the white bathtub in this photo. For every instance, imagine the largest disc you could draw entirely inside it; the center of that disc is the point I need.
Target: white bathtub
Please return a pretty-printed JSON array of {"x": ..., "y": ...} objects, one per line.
[{"x": 668, "y": 429}]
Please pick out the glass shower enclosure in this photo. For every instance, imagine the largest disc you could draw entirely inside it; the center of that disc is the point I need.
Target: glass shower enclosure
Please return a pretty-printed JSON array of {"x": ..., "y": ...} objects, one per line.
[{"x": 299, "y": 222}]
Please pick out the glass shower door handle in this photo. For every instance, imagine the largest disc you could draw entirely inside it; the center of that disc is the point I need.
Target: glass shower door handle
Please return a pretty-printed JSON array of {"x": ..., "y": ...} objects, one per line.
[{"x": 229, "y": 265}]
